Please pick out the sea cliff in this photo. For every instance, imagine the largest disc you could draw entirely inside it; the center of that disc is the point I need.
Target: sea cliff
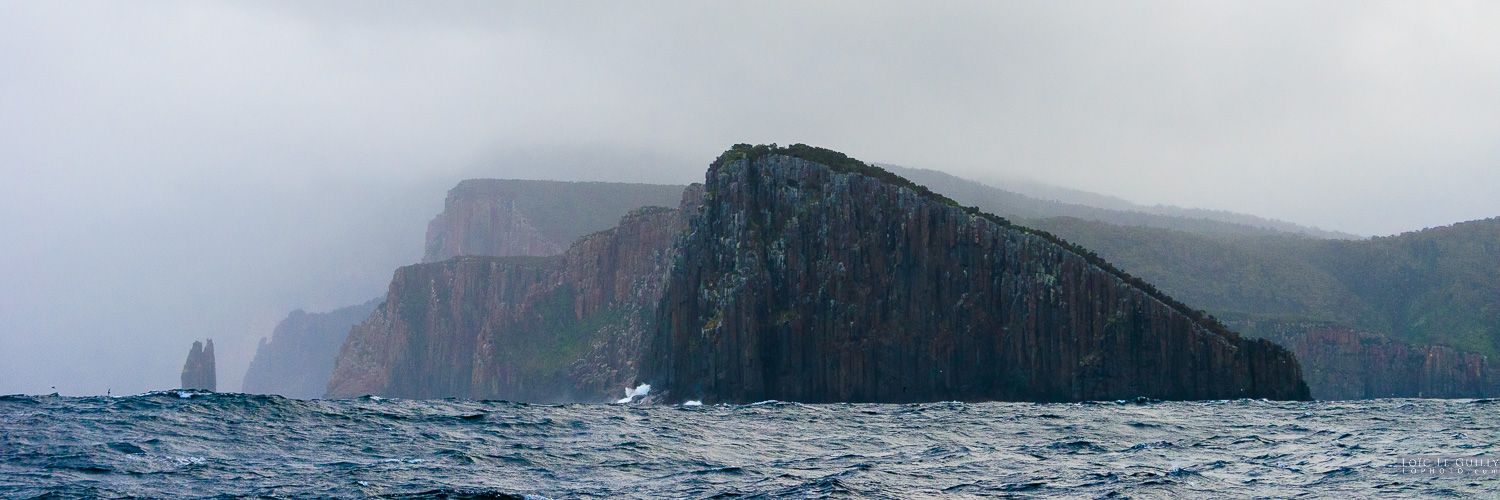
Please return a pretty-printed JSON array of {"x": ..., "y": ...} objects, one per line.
[
  {"x": 1342, "y": 363},
  {"x": 836, "y": 281},
  {"x": 297, "y": 360},
  {"x": 538, "y": 329},
  {"x": 480, "y": 217},
  {"x": 800, "y": 274}
]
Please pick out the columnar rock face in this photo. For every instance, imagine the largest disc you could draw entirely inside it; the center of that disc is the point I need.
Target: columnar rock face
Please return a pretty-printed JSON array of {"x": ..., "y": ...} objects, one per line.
[
  {"x": 198, "y": 371},
  {"x": 802, "y": 282},
  {"x": 1341, "y": 363},
  {"x": 298, "y": 359},
  {"x": 484, "y": 217},
  {"x": 788, "y": 279},
  {"x": 539, "y": 329},
  {"x": 503, "y": 217}
]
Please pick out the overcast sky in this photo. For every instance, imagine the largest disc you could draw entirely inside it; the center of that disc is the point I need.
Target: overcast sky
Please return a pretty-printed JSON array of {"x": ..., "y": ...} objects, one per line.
[{"x": 172, "y": 171}]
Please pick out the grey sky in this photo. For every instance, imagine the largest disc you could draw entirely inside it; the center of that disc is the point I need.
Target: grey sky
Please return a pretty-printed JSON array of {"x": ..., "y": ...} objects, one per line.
[{"x": 171, "y": 171}]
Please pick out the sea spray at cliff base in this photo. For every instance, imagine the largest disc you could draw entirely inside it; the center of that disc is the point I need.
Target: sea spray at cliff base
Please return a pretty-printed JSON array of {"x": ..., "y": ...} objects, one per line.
[{"x": 631, "y": 394}]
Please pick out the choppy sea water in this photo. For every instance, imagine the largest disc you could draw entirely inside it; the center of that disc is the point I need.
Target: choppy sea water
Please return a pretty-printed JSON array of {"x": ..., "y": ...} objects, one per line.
[{"x": 177, "y": 445}]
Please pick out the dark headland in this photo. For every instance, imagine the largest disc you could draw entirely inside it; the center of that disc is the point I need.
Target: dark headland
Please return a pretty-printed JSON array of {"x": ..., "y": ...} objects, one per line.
[{"x": 800, "y": 274}]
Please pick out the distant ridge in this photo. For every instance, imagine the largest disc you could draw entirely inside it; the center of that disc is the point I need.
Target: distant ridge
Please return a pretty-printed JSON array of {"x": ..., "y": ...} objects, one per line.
[
  {"x": 298, "y": 358},
  {"x": 1025, "y": 200},
  {"x": 1435, "y": 286}
]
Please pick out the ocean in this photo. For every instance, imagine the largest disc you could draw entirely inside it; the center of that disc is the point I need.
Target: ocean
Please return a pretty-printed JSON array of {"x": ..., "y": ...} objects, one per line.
[{"x": 185, "y": 444}]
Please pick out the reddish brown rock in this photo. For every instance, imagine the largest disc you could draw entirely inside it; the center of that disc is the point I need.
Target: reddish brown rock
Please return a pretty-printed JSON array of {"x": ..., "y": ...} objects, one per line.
[
  {"x": 539, "y": 329},
  {"x": 1342, "y": 363}
]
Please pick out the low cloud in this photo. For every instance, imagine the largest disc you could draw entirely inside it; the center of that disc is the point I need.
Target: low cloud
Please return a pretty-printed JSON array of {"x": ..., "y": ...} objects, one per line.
[{"x": 179, "y": 170}]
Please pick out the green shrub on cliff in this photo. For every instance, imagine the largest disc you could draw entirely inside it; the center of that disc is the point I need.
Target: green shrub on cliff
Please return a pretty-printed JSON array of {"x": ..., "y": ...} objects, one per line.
[{"x": 1432, "y": 286}]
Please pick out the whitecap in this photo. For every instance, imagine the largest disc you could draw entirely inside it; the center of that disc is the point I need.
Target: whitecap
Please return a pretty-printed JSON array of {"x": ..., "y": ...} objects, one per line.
[{"x": 640, "y": 390}]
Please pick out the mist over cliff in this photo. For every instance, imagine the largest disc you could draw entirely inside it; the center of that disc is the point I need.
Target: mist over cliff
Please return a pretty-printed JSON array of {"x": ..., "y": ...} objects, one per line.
[
  {"x": 508, "y": 217},
  {"x": 111, "y": 285},
  {"x": 297, "y": 359},
  {"x": 562, "y": 328},
  {"x": 181, "y": 170}
]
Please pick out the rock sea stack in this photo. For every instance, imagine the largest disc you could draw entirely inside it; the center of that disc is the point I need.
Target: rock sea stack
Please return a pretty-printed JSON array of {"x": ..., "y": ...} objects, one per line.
[{"x": 198, "y": 371}]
